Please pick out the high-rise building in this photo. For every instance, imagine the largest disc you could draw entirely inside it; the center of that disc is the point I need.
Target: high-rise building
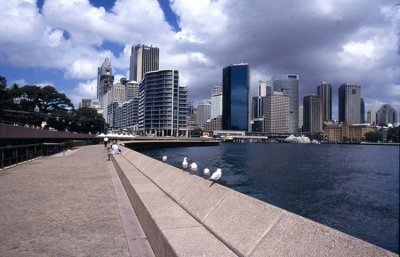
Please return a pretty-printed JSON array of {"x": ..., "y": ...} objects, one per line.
[
  {"x": 362, "y": 111},
  {"x": 85, "y": 103},
  {"x": 324, "y": 89},
  {"x": 203, "y": 112},
  {"x": 105, "y": 79},
  {"x": 143, "y": 59},
  {"x": 264, "y": 87},
  {"x": 312, "y": 113},
  {"x": 301, "y": 119},
  {"x": 235, "y": 98},
  {"x": 276, "y": 113},
  {"x": 350, "y": 103},
  {"x": 216, "y": 102},
  {"x": 386, "y": 114},
  {"x": 132, "y": 90},
  {"x": 162, "y": 104},
  {"x": 289, "y": 85},
  {"x": 258, "y": 107},
  {"x": 371, "y": 117}
]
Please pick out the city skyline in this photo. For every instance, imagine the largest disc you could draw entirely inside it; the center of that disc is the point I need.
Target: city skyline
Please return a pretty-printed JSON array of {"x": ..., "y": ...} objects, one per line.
[{"x": 355, "y": 42}]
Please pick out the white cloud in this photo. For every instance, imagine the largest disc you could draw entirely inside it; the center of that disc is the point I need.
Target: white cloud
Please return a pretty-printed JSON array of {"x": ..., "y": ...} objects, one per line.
[{"x": 331, "y": 40}]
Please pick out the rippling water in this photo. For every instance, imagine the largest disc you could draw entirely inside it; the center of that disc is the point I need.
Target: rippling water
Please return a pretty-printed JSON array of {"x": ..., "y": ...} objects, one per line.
[{"x": 352, "y": 188}]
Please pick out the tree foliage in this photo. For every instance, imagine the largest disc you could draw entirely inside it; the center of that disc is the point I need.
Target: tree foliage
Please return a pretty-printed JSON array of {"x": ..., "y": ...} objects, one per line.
[
  {"x": 373, "y": 136},
  {"x": 394, "y": 135},
  {"x": 17, "y": 105}
]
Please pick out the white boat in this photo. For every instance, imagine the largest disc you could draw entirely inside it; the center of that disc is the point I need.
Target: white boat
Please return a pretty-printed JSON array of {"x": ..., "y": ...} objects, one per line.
[{"x": 301, "y": 139}]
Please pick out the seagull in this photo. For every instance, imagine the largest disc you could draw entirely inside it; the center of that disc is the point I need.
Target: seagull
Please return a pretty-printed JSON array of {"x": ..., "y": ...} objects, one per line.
[
  {"x": 193, "y": 167},
  {"x": 164, "y": 158},
  {"x": 206, "y": 172},
  {"x": 185, "y": 163},
  {"x": 216, "y": 175}
]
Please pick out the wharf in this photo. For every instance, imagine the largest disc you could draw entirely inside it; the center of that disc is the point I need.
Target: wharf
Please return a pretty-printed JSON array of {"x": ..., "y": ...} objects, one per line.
[{"x": 72, "y": 205}]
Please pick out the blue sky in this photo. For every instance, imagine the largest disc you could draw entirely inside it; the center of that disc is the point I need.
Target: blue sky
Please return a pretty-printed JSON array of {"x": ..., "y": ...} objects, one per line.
[{"x": 62, "y": 42}]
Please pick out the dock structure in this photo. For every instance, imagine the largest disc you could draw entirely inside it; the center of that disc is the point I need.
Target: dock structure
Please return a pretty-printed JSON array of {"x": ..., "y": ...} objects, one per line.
[{"x": 80, "y": 204}]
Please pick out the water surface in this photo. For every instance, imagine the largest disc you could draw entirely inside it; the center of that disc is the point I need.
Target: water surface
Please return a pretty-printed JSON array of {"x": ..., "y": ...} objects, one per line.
[{"x": 352, "y": 188}]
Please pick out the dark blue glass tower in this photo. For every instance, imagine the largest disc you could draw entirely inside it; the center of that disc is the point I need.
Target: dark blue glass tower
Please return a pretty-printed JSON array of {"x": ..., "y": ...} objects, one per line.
[{"x": 235, "y": 97}]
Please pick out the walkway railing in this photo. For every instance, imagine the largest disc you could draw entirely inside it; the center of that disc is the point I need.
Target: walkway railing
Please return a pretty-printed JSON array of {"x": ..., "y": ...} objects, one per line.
[{"x": 13, "y": 155}]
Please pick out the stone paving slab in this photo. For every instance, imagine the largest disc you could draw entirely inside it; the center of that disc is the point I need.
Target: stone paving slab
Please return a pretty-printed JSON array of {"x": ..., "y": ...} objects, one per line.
[{"x": 63, "y": 206}]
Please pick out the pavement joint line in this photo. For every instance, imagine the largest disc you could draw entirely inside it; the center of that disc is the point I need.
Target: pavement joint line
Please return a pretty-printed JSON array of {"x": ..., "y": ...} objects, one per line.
[{"x": 267, "y": 232}]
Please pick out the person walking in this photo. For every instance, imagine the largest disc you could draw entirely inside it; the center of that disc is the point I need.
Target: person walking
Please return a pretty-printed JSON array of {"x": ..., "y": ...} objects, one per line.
[{"x": 105, "y": 141}]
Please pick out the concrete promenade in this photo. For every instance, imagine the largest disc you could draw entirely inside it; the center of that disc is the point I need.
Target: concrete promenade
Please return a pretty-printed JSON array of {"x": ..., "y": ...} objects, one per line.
[{"x": 72, "y": 205}]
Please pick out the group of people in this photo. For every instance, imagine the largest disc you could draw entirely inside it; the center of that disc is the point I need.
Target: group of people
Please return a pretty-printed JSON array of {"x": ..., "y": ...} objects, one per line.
[{"x": 112, "y": 148}]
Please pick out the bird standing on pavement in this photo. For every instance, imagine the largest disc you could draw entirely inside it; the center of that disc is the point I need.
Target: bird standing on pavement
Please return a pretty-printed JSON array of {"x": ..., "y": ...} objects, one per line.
[{"x": 216, "y": 175}]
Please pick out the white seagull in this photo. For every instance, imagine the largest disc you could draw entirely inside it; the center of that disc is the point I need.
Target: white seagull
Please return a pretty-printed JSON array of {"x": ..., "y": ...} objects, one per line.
[
  {"x": 216, "y": 175},
  {"x": 185, "y": 163},
  {"x": 206, "y": 172},
  {"x": 193, "y": 167},
  {"x": 164, "y": 158}
]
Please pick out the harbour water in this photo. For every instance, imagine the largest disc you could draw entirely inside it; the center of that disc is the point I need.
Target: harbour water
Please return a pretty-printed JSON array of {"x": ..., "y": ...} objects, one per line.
[{"x": 352, "y": 188}]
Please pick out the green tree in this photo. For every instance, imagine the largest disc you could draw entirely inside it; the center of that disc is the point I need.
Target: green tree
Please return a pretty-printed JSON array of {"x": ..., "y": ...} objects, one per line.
[
  {"x": 373, "y": 136},
  {"x": 394, "y": 134},
  {"x": 88, "y": 120}
]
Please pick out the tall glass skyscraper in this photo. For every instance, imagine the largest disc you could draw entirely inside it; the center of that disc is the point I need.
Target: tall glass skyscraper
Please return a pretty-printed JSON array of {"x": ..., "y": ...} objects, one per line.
[
  {"x": 235, "y": 99},
  {"x": 325, "y": 91},
  {"x": 143, "y": 59},
  {"x": 105, "y": 79},
  {"x": 289, "y": 85}
]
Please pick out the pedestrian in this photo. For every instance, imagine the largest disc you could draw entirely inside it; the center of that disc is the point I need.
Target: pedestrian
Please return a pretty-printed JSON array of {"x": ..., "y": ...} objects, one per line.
[
  {"x": 115, "y": 148},
  {"x": 105, "y": 141},
  {"x": 109, "y": 153}
]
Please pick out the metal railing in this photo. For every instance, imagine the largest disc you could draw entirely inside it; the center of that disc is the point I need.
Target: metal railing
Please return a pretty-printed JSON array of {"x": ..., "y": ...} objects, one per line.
[{"x": 14, "y": 155}]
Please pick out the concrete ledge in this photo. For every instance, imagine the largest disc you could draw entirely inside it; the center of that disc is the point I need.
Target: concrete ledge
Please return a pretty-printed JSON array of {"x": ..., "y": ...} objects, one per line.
[
  {"x": 185, "y": 215},
  {"x": 170, "y": 230}
]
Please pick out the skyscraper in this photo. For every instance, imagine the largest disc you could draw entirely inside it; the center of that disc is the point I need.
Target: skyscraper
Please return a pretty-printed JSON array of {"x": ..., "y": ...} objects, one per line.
[
  {"x": 162, "y": 104},
  {"x": 289, "y": 85},
  {"x": 258, "y": 107},
  {"x": 143, "y": 59},
  {"x": 324, "y": 89},
  {"x": 312, "y": 113},
  {"x": 386, "y": 114},
  {"x": 216, "y": 102},
  {"x": 362, "y": 110},
  {"x": 105, "y": 79},
  {"x": 276, "y": 113},
  {"x": 350, "y": 103},
  {"x": 235, "y": 99},
  {"x": 203, "y": 112},
  {"x": 264, "y": 87},
  {"x": 371, "y": 117}
]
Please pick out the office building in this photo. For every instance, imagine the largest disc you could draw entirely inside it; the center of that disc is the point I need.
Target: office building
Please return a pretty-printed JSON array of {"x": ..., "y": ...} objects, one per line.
[
  {"x": 362, "y": 111},
  {"x": 235, "y": 98},
  {"x": 264, "y": 87},
  {"x": 301, "y": 119},
  {"x": 324, "y": 89},
  {"x": 162, "y": 106},
  {"x": 386, "y": 115},
  {"x": 143, "y": 59},
  {"x": 350, "y": 103},
  {"x": 213, "y": 124},
  {"x": 216, "y": 102},
  {"x": 371, "y": 117},
  {"x": 105, "y": 79},
  {"x": 289, "y": 85},
  {"x": 203, "y": 112},
  {"x": 85, "y": 103},
  {"x": 312, "y": 113},
  {"x": 258, "y": 107},
  {"x": 131, "y": 90},
  {"x": 276, "y": 113}
]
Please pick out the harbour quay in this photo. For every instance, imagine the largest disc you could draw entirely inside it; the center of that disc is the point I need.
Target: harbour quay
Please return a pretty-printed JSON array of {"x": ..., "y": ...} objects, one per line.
[{"x": 80, "y": 204}]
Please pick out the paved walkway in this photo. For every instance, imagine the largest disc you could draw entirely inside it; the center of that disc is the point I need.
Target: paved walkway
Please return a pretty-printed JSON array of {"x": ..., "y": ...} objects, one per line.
[{"x": 72, "y": 205}]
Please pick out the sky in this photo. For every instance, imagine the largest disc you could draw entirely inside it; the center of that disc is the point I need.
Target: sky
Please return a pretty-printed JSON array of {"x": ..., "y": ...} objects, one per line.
[{"x": 62, "y": 42}]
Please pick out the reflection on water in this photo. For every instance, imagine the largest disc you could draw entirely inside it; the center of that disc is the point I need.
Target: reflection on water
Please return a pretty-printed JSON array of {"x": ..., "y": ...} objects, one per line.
[{"x": 353, "y": 188}]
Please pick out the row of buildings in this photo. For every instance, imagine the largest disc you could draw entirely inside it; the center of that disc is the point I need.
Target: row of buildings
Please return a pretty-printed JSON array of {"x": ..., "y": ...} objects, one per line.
[{"x": 152, "y": 102}]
